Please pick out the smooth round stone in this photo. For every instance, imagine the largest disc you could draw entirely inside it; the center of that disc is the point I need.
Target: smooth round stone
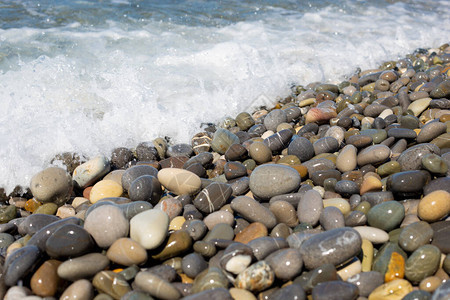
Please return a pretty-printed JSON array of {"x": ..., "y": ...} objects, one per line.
[
  {"x": 278, "y": 141},
  {"x": 285, "y": 263},
  {"x": 146, "y": 151},
  {"x": 320, "y": 115},
  {"x": 220, "y": 231},
  {"x": 442, "y": 183},
  {"x": 69, "y": 240},
  {"x": 402, "y": 133},
  {"x": 422, "y": 263},
  {"x": 291, "y": 291},
  {"x": 367, "y": 282},
  {"x": 355, "y": 218},
  {"x": 179, "y": 181},
  {"x": 240, "y": 186},
  {"x": 251, "y": 232},
  {"x": 372, "y": 234},
  {"x": 336, "y": 132},
  {"x": 19, "y": 263},
  {"x": 105, "y": 189},
  {"x": 106, "y": 224},
  {"x": 244, "y": 120},
  {"x": 384, "y": 256},
  {"x": 217, "y": 217},
  {"x": 234, "y": 169},
  {"x": 179, "y": 150},
  {"x": 270, "y": 180},
  {"x": 253, "y": 211},
  {"x": 211, "y": 278},
  {"x": 131, "y": 174},
  {"x": 392, "y": 290},
  {"x": 346, "y": 160},
  {"x": 256, "y": 277},
  {"x": 417, "y": 295},
  {"x": 359, "y": 141},
  {"x": 335, "y": 290},
  {"x": 431, "y": 131},
  {"x": 407, "y": 182},
  {"x": 310, "y": 207},
  {"x": 84, "y": 266},
  {"x": 378, "y": 135},
  {"x": 6, "y": 239},
  {"x": 275, "y": 118},
  {"x": 47, "y": 209},
  {"x": 45, "y": 280},
  {"x": 156, "y": 286},
  {"x": 319, "y": 177},
  {"x": 346, "y": 187},
  {"x": 127, "y": 252},
  {"x": 213, "y": 197},
  {"x": 79, "y": 290},
  {"x": 430, "y": 284},
  {"x": 434, "y": 206},
  {"x": 223, "y": 139},
  {"x": 411, "y": 159},
  {"x": 331, "y": 217},
  {"x": 324, "y": 273},
  {"x": 386, "y": 216},
  {"x": 373, "y": 155},
  {"x": 263, "y": 246},
  {"x": 149, "y": 228},
  {"x": 52, "y": 185},
  {"x": 111, "y": 283},
  {"x": 415, "y": 235},
  {"x": 284, "y": 213},
  {"x": 325, "y": 145},
  {"x": 281, "y": 230},
  {"x": 40, "y": 238},
  {"x": 178, "y": 243},
  {"x": 193, "y": 264},
  {"x": 389, "y": 168},
  {"x": 334, "y": 246},
  {"x": 196, "y": 228},
  {"x": 441, "y": 236},
  {"x": 35, "y": 222},
  {"x": 236, "y": 152},
  {"x": 319, "y": 164},
  {"x": 90, "y": 171},
  {"x": 302, "y": 148},
  {"x": 340, "y": 203},
  {"x": 435, "y": 164},
  {"x": 260, "y": 152},
  {"x": 145, "y": 188}
]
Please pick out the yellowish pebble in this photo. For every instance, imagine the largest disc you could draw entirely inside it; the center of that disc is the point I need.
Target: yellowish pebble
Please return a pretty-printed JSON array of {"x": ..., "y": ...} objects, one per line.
[
  {"x": 367, "y": 249},
  {"x": 434, "y": 206},
  {"x": 392, "y": 290},
  {"x": 418, "y": 106},
  {"x": 307, "y": 102},
  {"x": 115, "y": 175},
  {"x": 370, "y": 184},
  {"x": 396, "y": 268},
  {"x": 368, "y": 87},
  {"x": 177, "y": 223},
  {"x": 185, "y": 278},
  {"x": 349, "y": 270},
  {"x": 77, "y": 201},
  {"x": 430, "y": 284},
  {"x": 241, "y": 294},
  {"x": 31, "y": 205},
  {"x": 104, "y": 189},
  {"x": 340, "y": 203}
]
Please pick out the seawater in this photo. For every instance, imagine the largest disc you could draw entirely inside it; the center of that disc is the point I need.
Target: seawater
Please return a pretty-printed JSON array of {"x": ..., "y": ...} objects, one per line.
[{"x": 88, "y": 76}]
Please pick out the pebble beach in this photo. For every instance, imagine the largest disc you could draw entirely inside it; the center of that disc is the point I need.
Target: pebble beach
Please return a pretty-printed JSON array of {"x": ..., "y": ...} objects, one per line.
[{"x": 338, "y": 191}]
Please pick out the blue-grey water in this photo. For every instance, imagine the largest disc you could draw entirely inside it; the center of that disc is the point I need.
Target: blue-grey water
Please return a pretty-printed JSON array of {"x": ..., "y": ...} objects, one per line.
[{"x": 88, "y": 76}]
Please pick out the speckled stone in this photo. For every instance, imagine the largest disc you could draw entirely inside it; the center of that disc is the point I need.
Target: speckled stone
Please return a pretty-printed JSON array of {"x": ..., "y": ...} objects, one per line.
[
  {"x": 52, "y": 185},
  {"x": 256, "y": 277},
  {"x": 430, "y": 131},
  {"x": 323, "y": 247},
  {"x": 310, "y": 207},
  {"x": 253, "y": 211},
  {"x": 270, "y": 180}
]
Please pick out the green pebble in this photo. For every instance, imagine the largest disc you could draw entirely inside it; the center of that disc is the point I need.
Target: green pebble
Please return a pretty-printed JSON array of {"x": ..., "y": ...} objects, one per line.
[
  {"x": 6, "y": 239},
  {"x": 363, "y": 207},
  {"x": 446, "y": 264},
  {"x": 329, "y": 184},
  {"x": 383, "y": 257},
  {"x": 409, "y": 121},
  {"x": 386, "y": 216},
  {"x": 395, "y": 234},
  {"x": 418, "y": 295},
  {"x": 378, "y": 135},
  {"x": 7, "y": 213},
  {"x": 389, "y": 168},
  {"x": 47, "y": 209},
  {"x": 415, "y": 235},
  {"x": 250, "y": 164},
  {"x": 422, "y": 263},
  {"x": 435, "y": 164}
]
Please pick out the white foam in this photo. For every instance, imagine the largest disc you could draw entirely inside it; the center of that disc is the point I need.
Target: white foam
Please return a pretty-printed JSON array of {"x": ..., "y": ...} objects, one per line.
[{"x": 89, "y": 90}]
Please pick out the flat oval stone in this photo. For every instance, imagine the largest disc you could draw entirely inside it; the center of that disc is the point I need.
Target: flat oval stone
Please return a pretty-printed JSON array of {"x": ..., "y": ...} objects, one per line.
[
  {"x": 211, "y": 278},
  {"x": 256, "y": 277},
  {"x": 319, "y": 177},
  {"x": 156, "y": 286},
  {"x": 373, "y": 155},
  {"x": 331, "y": 217},
  {"x": 367, "y": 282},
  {"x": 441, "y": 183},
  {"x": 372, "y": 234},
  {"x": 260, "y": 152},
  {"x": 19, "y": 263},
  {"x": 178, "y": 243},
  {"x": 378, "y": 135},
  {"x": 441, "y": 236},
  {"x": 52, "y": 185},
  {"x": 302, "y": 148},
  {"x": 105, "y": 189},
  {"x": 395, "y": 289},
  {"x": 220, "y": 231},
  {"x": 179, "y": 181},
  {"x": 222, "y": 140},
  {"x": 435, "y": 164},
  {"x": 279, "y": 140},
  {"x": 263, "y": 246},
  {"x": 411, "y": 159},
  {"x": 69, "y": 241},
  {"x": 346, "y": 160},
  {"x": 310, "y": 207},
  {"x": 422, "y": 263},
  {"x": 40, "y": 238},
  {"x": 284, "y": 213},
  {"x": 149, "y": 228},
  {"x": 145, "y": 188},
  {"x": 35, "y": 222},
  {"x": 270, "y": 180},
  {"x": 251, "y": 232},
  {"x": 346, "y": 187},
  {"x": 415, "y": 235},
  {"x": 407, "y": 182},
  {"x": 84, "y": 266},
  {"x": 193, "y": 264},
  {"x": 127, "y": 252},
  {"x": 359, "y": 141},
  {"x": 213, "y": 197},
  {"x": 334, "y": 289},
  {"x": 234, "y": 169},
  {"x": 402, "y": 133},
  {"x": 45, "y": 280},
  {"x": 326, "y": 144},
  {"x": 217, "y": 217},
  {"x": 319, "y": 164},
  {"x": 106, "y": 224},
  {"x": 275, "y": 118},
  {"x": 79, "y": 290},
  {"x": 111, "y": 283},
  {"x": 131, "y": 174},
  {"x": 386, "y": 216},
  {"x": 253, "y": 211},
  {"x": 430, "y": 131},
  {"x": 434, "y": 206},
  {"x": 334, "y": 246},
  {"x": 374, "y": 198},
  {"x": 286, "y": 263},
  {"x": 90, "y": 171}
]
